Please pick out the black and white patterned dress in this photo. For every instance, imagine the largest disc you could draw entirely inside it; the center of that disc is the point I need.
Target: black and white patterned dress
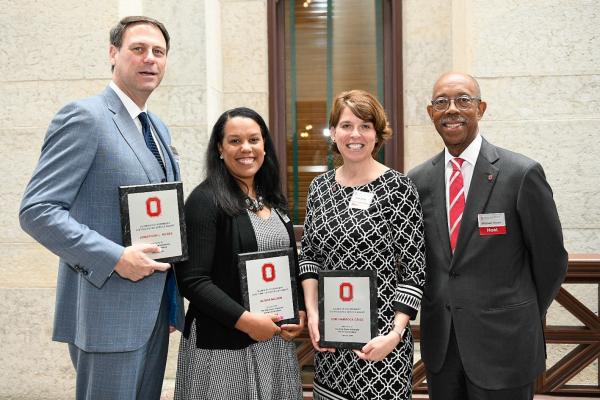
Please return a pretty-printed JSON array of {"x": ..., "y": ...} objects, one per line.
[
  {"x": 388, "y": 238},
  {"x": 262, "y": 371}
]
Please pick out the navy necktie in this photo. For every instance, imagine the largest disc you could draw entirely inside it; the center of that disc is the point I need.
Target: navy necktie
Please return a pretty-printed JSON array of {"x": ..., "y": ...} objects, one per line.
[
  {"x": 171, "y": 285},
  {"x": 150, "y": 143}
]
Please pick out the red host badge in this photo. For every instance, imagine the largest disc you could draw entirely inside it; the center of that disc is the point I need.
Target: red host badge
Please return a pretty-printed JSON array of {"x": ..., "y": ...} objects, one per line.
[
  {"x": 346, "y": 291},
  {"x": 268, "y": 272},
  {"x": 153, "y": 207},
  {"x": 491, "y": 224}
]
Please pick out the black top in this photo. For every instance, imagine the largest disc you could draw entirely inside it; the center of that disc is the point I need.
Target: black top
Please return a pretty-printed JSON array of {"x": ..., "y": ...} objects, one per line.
[{"x": 209, "y": 279}]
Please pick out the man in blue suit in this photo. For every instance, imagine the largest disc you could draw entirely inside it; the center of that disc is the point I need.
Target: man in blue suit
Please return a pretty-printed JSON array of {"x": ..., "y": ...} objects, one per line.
[{"x": 115, "y": 306}]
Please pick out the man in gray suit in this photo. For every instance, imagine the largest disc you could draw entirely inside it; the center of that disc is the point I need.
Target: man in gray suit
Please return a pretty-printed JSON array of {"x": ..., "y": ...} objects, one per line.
[
  {"x": 115, "y": 306},
  {"x": 495, "y": 256}
]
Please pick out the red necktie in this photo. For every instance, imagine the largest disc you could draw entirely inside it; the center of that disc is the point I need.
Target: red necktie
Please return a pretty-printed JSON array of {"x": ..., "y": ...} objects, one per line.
[{"x": 457, "y": 200}]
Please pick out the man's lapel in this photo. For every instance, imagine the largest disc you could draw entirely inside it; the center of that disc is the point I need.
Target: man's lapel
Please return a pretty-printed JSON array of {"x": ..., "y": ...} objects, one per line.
[
  {"x": 484, "y": 178},
  {"x": 438, "y": 191},
  {"x": 132, "y": 135}
]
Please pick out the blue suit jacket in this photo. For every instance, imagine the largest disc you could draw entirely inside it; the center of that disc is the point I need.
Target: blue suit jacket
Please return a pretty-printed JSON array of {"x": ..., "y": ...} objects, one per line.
[{"x": 71, "y": 206}]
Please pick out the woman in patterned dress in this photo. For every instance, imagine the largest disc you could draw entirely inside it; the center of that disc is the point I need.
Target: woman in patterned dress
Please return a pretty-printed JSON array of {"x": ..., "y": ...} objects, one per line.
[
  {"x": 226, "y": 351},
  {"x": 387, "y": 236}
]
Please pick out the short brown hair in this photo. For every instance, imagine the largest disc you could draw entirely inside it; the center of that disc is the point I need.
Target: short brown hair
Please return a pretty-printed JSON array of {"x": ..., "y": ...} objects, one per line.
[
  {"x": 117, "y": 32},
  {"x": 366, "y": 107}
]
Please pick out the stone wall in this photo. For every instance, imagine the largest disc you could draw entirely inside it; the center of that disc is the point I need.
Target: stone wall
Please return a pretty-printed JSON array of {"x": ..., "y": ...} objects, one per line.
[
  {"x": 57, "y": 51},
  {"x": 537, "y": 66}
]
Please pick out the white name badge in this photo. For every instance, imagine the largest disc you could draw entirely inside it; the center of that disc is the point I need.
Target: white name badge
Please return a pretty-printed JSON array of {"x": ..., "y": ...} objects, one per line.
[
  {"x": 361, "y": 200},
  {"x": 491, "y": 224}
]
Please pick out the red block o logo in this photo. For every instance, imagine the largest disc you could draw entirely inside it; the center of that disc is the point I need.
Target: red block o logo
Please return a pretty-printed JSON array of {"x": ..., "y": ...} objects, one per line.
[
  {"x": 346, "y": 291},
  {"x": 153, "y": 207},
  {"x": 268, "y": 272}
]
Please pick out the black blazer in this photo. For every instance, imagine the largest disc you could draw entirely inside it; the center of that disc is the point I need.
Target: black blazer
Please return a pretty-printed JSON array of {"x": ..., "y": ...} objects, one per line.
[
  {"x": 495, "y": 290},
  {"x": 209, "y": 279}
]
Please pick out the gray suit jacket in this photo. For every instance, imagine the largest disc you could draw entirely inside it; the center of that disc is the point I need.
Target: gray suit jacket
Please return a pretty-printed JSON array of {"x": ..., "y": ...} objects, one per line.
[
  {"x": 495, "y": 289},
  {"x": 71, "y": 206}
]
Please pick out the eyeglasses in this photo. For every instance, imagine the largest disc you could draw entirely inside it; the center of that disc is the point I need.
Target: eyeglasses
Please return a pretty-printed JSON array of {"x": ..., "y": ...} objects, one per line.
[{"x": 463, "y": 102}]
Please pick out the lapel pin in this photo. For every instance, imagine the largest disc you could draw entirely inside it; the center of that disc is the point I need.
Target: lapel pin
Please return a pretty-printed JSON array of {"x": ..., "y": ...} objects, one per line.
[{"x": 490, "y": 177}]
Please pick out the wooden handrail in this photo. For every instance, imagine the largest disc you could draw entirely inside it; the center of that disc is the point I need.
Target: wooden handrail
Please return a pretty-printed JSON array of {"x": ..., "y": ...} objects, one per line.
[{"x": 583, "y": 268}]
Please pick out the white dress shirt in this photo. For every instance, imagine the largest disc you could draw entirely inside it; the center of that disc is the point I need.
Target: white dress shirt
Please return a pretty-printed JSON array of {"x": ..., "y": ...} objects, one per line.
[
  {"x": 134, "y": 111},
  {"x": 470, "y": 155}
]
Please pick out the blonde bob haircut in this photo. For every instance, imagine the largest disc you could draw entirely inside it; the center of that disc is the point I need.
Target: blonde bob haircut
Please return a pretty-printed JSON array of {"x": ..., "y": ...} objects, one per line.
[{"x": 366, "y": 107}]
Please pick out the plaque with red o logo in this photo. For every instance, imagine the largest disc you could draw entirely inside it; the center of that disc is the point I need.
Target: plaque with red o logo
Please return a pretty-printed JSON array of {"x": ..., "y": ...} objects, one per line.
[
  {"x": 346, "y": 291},
  {"x": 347, "y": 308},
  {"x": 268, "y": 272},
  {"x": 153, "y": 214},
  {"x": 153, "y": 206},
  {"x": 268, "y": 283}
]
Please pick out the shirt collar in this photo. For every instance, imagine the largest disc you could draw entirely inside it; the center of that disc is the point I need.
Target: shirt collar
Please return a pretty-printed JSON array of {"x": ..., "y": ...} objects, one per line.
[
  {"x": 131, "y": 107},
  {"x": 469, "y": 154}
]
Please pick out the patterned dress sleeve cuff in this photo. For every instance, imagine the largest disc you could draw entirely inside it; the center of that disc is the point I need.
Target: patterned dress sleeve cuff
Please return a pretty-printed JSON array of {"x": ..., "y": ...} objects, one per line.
[
  {"x": 404, "y": 309},
  {"x": 408, "y": 300},
  {"x": 309, "y": 270}
]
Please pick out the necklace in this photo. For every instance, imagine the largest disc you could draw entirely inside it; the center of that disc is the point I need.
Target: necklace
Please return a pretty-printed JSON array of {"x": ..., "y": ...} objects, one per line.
[{"x": 254, "y": 205}]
